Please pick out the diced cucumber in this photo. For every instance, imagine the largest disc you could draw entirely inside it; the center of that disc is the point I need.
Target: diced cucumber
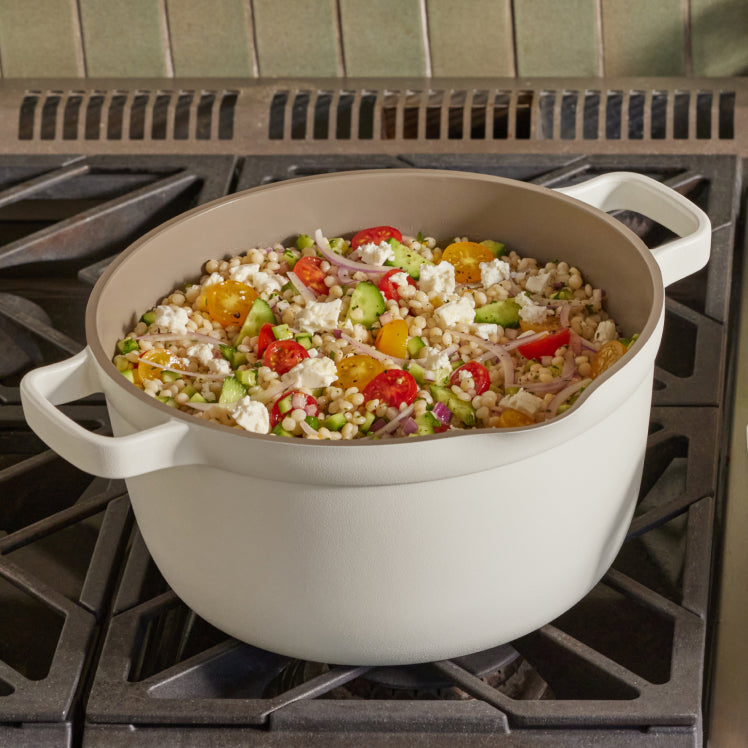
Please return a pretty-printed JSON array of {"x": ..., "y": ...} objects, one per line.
[
  {"x": 282, "y": 332},
  {"x": 290, "y": 257},
  {"x": 565, "y": 294},
  {"x": 196, "y": 397},
  {"x": 149, "y": 317},
  {"x": 280, "y": 431},
  {"x": 504, "y": 313},
  {"x": 313, "y": 421},
  {"x": 247, "y": 377},
  {"x": 231, "y": 391},
  {"x": 285, "y": 405},
  {"x": 497, "y": 248},
  {"x": 463, "y": 410},
  {"x": 127, "y": 345},
  {"x": 338, "y": 245},
  {"x": 259, "y": 314},
  {"x": 335, "y": 422},
  {"x": 368, "y": 298},
  {"x": 369, "y": 418},
  {"x": 414, "y": 346},
  {"x": 228, "y": 351},
  {"x": 304, "y": 241},
  {"x": 406, "y": 259},
  {"x": 129, "y": 374},
  {"x": 167, "y": 401},
  {"x": 417, "y": 372},
  {"x": 239, "y": 358},
  {"x": 304, "y": 339},
  {"x": 426, "y": 423},
  {"x": 170, "y": 376},
  {"x": 189, "y": 390},
  {"x": 441, "y": 394}
]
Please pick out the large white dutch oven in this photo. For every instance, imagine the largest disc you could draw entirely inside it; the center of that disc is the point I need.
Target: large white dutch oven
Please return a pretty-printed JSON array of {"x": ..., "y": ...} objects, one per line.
[{"x": 383, "y": 552}]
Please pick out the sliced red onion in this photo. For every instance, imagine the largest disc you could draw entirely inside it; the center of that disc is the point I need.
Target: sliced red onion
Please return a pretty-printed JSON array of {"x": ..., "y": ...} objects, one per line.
[
  {"x": 187, "y": 373},
  {"x": 342, "y": 262},
  {"x": 377, "y": 425},
  {"x": 569, "y": 365},
  {"x": 373, "y": 352},
  {"x": 307, "y": 429},
  {"x": 298, "y": 400},
  {"x": 166, "y": 336},
  {"x": 385, "y": 318},
  {"x": 442, "y": 412},
  {"x": 395, "y": 422},
  {"x": 565, "y": 394},
  {"x": 575, "y": 343},
  {"x": 204, "y": 406},
  {"x": 344, "y": 276},
  {"x": 564, "y": 316},
  {"x": 337, "y": 334},
  {"x": 409, "y": 426},
  {"x": 303, "y": 289},
  {"x": 589, "y": 345},
  {"x": 544, "y": 387}
]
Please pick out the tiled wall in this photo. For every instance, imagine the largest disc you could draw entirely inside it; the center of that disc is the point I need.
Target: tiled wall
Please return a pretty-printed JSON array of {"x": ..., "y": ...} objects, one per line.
[{"x": 271, "y": 38}]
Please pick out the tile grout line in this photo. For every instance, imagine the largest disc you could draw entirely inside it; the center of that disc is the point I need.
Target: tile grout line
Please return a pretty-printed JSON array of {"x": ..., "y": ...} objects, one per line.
[
  {"x": 687, "y": 38},
  {"x": 600, "y": 47},
  {"x": 425, "y": 36},
  {"x": 80, "y": 49},
  {"x": 166, "y": 38},
  {"x": 513, "y": 28},
  {"x": 252, "y": 20},
  {"x": 340, "y": 57}
]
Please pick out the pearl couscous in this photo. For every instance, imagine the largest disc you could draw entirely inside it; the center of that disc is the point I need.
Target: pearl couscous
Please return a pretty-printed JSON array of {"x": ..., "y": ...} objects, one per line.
[{"x": 379, "y": 336}]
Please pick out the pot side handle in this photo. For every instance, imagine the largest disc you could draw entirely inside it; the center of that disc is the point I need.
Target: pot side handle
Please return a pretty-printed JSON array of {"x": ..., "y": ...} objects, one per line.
[
  {"x": 628, "y": 191},
  {"x": 106, "y": 456}
]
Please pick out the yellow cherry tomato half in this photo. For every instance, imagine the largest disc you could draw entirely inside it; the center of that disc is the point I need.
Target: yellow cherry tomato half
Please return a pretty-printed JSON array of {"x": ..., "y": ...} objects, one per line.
[
  {"x": 511, "y": 417},
  {"x": 467, "y": 257},
  {"x": 156, "y": 356},
  {"x": 392, "y": 339},
  {"x": 550, "y": 324},
  {"x": 229, "y": 302},
  {"x": 358, "y": 371},
  {"x": 609, "y": 353}
]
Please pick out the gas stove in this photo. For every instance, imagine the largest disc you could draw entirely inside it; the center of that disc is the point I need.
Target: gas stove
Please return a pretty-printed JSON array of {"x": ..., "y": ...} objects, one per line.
[{"x": 95, "y": 648}]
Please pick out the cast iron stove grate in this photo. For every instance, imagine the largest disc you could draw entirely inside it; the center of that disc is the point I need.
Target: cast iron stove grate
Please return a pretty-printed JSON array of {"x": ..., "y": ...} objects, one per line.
[{"x": 624, "y": 666}]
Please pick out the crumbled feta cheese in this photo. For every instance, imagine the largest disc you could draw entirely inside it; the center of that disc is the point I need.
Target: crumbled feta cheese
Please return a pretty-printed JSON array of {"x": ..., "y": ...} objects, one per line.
[
  {"x": 265, "y": 283},
  {"x": 251, "y": 415},
  {"x": 437, "y": 280},
  {"x": 536, "y": 283},
  {"x": 432, "y": 359},
  {"x": 606, "y": 331},
  {"x": 206, "y": 355},
  {"x": 494, "y": 272},
  {"x": 212, "y": 279},
  {"x": 399, "y": 280},
  {"x": 485, "y": 330},
  {"x": 454, "y": 312},
  {"x": 376, "y": 254},
  {"x": 524, "y": 401},
  {"x": 244, "y": 273},
  {"x": 311, "y": 373},
  {"x": 220, "y": 366},
  {"x": 318, "y": 316},
  {"x": 530, "y": 311},
  {"x": 518, "y": 276},
  {"x": 172, "y": 319}
]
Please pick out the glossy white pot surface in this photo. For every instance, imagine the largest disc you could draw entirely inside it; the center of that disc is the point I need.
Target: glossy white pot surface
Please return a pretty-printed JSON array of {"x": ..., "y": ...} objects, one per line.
[{"x": 396, "y": 551}]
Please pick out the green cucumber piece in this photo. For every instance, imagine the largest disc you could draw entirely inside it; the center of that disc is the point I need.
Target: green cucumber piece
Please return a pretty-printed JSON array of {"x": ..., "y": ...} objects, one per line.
[
  {"x": 417, "y": 372},
  {"x": 280, "y": 431},
  {"x": 304, "y": 241},
  {"x": 284, "y": 405},
  {"x": 463, "y": 410},
  {"x": 129, "y": 374},
  {"x": 149, "y": 317},
  {"x": 227, "y": 352},
  {"x": 170, "y": 376},
  {"x": 313, "y": 421},
  {"x": 368, "y": 298},
  {"x": 504, "y": 313},
  {"x": 338, "y": 245},
  {"x": 247, "y": 377},
  {"x": 497, "y": 248},
  {"x": 369, "y": 418},
  {"x": 290, "y": 257},
  {"x": 304, "y": 339},
  {"x": 426, "y": 423},
  {"x": 406, "y": 259},
  {"x": 189, "y": 390},
  {"x": 441, "y": 394},
  {"x": 239, "y": 358},
  {"x": 414, "y": 346},
  {"x": 282, "y": 332},
  {"x": 196, "y": 397},
  {"x": 335, "y": 422},
  {"x": 231, "y": 391},
  {"x": 259, "y": 314},
  {"x": 127, "y": 345},
  {"x": 167, "y": 401},
  {"x": 566, "y": 294}
]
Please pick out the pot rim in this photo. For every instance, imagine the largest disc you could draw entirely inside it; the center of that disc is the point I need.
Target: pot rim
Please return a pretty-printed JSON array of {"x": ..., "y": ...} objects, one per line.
[{"x": 104, "y": 358}]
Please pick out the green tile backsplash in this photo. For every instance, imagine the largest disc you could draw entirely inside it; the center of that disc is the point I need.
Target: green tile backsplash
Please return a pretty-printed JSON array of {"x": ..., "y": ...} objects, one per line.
[{"x": 372, "y": 38}]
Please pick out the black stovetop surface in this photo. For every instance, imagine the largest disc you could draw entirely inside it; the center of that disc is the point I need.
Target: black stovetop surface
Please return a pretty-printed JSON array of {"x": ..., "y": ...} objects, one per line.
[{"x": 95, "y": 649}]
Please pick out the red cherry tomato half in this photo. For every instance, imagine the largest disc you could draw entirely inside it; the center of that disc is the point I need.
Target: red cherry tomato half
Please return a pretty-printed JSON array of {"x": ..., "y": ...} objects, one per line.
[
  {"x": 481, "y": 377},
  {"x": 546, "y": 346},
  {"x": 282, "y": 355},
  {"x": 389, "y": 289},
  {"x": 310, "y": 406},
  {"x": 265, "y": 338},
  {"x": 375, "y": 235},
  {"x": 393, "y": 387},
  {"x": 310, "y": 274}
]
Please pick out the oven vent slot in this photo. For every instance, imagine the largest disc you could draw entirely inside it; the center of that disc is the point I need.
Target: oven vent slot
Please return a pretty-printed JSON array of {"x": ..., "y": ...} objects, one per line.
[
  {"x": 481, "y": 114},
  {"x": 127, "y": 115}
]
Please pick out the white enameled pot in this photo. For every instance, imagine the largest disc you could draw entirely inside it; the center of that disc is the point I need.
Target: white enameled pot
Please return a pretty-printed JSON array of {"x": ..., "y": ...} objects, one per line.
[{"x": 392, "y": 551}]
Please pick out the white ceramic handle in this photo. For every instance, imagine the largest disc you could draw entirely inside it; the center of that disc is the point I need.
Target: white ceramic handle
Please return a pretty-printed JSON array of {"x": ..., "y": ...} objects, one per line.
[
  {"x": 628, "y": 191},
  {"x": 107, "y": 456}
]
